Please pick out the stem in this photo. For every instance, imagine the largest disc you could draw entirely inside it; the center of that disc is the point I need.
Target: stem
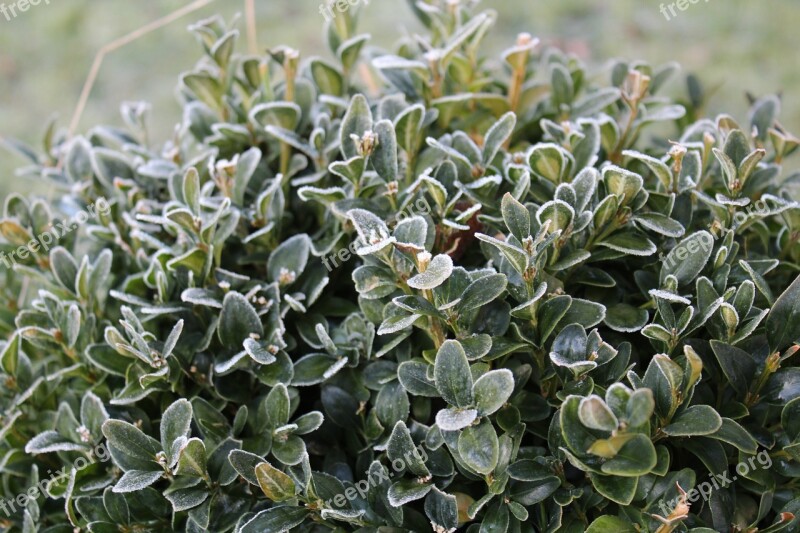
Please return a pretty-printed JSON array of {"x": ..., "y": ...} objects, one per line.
[
  {"x": 438, "y": 335},
  {"x": 616, "y": 157},
  {"x": 286, "y": 150}
]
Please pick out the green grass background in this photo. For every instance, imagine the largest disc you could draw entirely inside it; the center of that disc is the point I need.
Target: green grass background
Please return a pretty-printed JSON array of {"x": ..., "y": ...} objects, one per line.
[{"x": 45, "y": 53}]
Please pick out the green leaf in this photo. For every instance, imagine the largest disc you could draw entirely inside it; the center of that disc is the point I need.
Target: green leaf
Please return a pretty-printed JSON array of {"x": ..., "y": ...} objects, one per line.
[
  {"x": 656, "y": 166},
  {"x": 442, "y": 510},
  {"x": 617, "y": 489},
  {"x": 569, "y": 350},
  {"x": 637, "y": 457},
  {"x": 548, "y": 161},
  {"x": 783, "y": 321},
  {"x": 372, "y": 231},
  {"x": 357, "y": 121},
  {"x": 496, "y": 519},
  {"x": 93, "y": 415},
  {"x": 738, "y": 366},
  {"x": 275, "y": 485},
  {"x": 397, "y": 323},
  {"x": 402, "y": 448},
  {"x": 516, "y": 216},
  {"x": 558, "y": 213},
  {"x": 595, "y": 101},
  {"x": 327, "y": 77},
  {"x": 497, "y": 136},
  {"x": 417, "y": 304},
  {"x": 476, "y": 346},
  {"x": 185, "y": 499},
  {"x": 640, "y": 407},
  {"x": 663, "y": 376},
  {"x": 550, "y": 314},
  {"x": 408, "y": 126},
  {"x": 64, "y": 267},
  {"x": 192, "y": 459},
  {"x": 515, "y": 255},
  {"x": 562, "y": 85},
  {"x": 763, "y": 115},
  {"x": 245, "y": 464},
  {"x": 623, "y": 183},
  {"x": 453, "y": 419},
  {"x": 437, "y": 272},
  {"x": 257, "y": 352},
  {"x": 237, "y": 321},
  {"x": 584, "y": 313},
  {"x": 175, "y": 423},
  {"x": 276, "y": 116},
  {"x": 391, "y": 404},
  {"x": 384, "y": 158},
  {"x": 452, "y": 375},
  {"x": 109, "y": 165},
  {"x": 482, "y": 291},
  {"x": 630, "y": 242},
  {"x": 406, "y": 491},
  {"x": 276, "y": 519},
  {"x": 288, "y": 261},
  {"x": 611, "y": 524},
  {"x": 206, "y": 88},
  {"x": 309, "y": 422},
  {"x": 737, "y": 146},
  {"x": 492, "y": 390},
  {"x": 290, "y": 451},
  {"x": 350, "y": 50},
  {"x": 660, "y": 224},
  {"x": 131, "y": 440},
  {"x": 783, "y": 386},
  {"x": 605, "y": 211},
  {"x": 688, "y": 258},
  {"x": 533, "y": 492},
  {"x": 595, "y": 414},
  {"x": 116, "y": 506},
  {"x": 245, "y": 170},
  {"x": 479, "y": 447},
  {"x": 735, "y": 435},
  {"x": 277, "y": 406},
  {"x": 136, "y": 480},
  {"x": 9, "y": 354},
  {"x": 51, "y": 441},
  {"x": 316, "y": 368},
  {"x": 695, "y": 421},
  {"x": 625, "y": 318},
  {"x": 413, "y": 375}
]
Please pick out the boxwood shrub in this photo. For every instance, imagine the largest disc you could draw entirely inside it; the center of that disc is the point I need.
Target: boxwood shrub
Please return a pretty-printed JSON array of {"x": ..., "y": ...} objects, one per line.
[{"x": 408, "y": 290}]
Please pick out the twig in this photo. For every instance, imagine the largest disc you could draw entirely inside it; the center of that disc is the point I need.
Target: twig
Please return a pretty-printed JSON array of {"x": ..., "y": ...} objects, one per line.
[
  {"x": 122, "y": 41},
  {"x": 372, "y": 86},
  {"x": 250, "y": 13}
]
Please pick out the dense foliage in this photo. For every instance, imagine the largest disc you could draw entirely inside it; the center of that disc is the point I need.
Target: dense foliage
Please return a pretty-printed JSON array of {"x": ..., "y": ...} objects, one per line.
[{"x": 407, "y": 291}]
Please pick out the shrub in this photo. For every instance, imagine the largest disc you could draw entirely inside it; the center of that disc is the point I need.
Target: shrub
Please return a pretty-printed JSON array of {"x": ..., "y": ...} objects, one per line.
[{"x": 485, "y": 297}]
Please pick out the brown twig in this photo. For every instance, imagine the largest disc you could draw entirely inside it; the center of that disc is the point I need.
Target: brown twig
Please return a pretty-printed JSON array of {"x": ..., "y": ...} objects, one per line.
[
  {"x": 250, "y": 15},
  {"x": 119, "y": 43}
]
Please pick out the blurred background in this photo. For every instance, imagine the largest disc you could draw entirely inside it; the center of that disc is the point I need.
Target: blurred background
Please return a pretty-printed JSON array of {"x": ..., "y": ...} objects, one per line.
[{"x": 734, "y": 46}]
